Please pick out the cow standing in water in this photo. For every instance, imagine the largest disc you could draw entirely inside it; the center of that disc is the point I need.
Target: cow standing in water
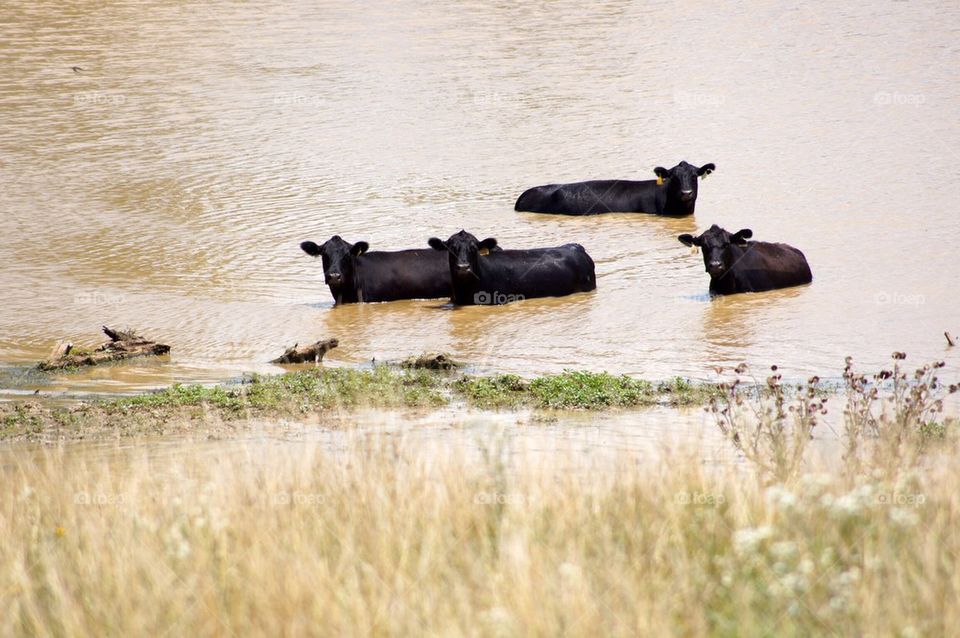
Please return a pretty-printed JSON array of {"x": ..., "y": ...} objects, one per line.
[
  {"x": 480, "y": 273},
  {"x": 674, "y": 192},
  {"x": 356, "y": 276},
  {"x": 737, "y": 265}
]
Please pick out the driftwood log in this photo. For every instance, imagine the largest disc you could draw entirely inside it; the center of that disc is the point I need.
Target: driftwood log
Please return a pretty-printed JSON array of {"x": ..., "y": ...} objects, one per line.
[
  {"x": 312, "y": 353},
  {"x": 122, "y": 345},
  {"x": 950, "y": 341}
]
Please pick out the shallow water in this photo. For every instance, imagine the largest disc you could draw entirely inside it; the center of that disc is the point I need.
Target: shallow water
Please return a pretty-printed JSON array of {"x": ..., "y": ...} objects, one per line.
[
  {"x": 167, "y": 184},
  {"x": 567, "y": 442}
]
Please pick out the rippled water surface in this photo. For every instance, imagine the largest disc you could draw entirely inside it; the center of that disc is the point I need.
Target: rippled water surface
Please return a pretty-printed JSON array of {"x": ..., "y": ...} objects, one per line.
[{"x": 165, "y": 185}]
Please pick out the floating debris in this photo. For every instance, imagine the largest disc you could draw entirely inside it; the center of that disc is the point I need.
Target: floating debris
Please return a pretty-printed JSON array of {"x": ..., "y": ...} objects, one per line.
[
  {"x": 122, "y": 345},
  {"x": 312, "y": 353}
]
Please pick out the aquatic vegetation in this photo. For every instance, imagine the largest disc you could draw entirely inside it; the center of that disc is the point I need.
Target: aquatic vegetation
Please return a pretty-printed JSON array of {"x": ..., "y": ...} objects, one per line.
[
  {"x": 581, "y": 390},
  {"x": 494, "y": 391},
  {"x": 317, "y": 390},
  {"x": 587, "y": 390}
]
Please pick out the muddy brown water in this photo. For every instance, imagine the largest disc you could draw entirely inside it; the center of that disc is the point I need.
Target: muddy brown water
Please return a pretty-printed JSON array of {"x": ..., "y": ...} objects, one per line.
[{"x": 165, "y": 185}]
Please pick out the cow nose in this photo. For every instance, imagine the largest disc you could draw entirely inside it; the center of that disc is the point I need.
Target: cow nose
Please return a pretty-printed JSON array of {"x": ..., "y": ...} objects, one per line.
[
  {"x": 687, "y": 193},
  {"x": 335, "y": 277},
  {"x": 715, "y": 265},
  {"x": 463, "y": 267}
]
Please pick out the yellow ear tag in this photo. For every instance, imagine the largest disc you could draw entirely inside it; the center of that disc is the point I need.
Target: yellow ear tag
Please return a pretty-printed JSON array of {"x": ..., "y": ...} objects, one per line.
[
  {"x": 484, "y": 252},
  {"x": 659, "y": 181}
]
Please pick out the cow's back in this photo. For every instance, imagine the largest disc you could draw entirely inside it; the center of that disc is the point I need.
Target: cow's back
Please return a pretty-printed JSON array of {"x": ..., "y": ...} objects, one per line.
[
  {"x": 404, "y": 274},
  {"x": 539, "y": 272},
  {"x": 592, "y": 197},
  {"x": 768, "y": 266}
]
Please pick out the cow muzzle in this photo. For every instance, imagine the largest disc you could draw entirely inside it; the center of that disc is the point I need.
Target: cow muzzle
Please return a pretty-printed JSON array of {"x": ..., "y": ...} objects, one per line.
[
  {"x": 686, "y": 195},
  {"x": 334, "y": 279},
  {"x": 715, "y": 267}
]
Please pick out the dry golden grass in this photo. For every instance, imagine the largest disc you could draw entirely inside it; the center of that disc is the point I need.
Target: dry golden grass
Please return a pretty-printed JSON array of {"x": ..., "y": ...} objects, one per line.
[{"x": 382, "y": 539}]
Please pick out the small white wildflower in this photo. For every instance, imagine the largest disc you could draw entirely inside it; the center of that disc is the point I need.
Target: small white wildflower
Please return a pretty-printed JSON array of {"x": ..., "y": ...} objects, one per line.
[
  {"x": 569, "y": 571},
  {"x": 217, "y": 520},
  {"x": 784, "y": 550},
  {"x": 903, "y": 517},
  {"x": 843, "y": 581},
  {"x": 780, "y": 498},
  {"x": 846, "y": 506},
  {"x": 749, "y": 539},
  {"x": 827, "y": 557},
  {"x": 806, "y": 566},
  {"x": 177, "y": 544},
  {"x": 873, "y": 564},
  {"x": 794, "y": 583},
  {"x": 838, "y": 603}
]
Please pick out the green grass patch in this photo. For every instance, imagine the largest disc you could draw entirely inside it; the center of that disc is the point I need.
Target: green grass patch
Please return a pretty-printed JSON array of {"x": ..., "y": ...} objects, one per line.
[
  {"x": 494, "y": 392},
  {"x": 590, "y": 391},
  {"x": 21, "y": 420},
  {"x": 683, "y": 392},
  {"x": 186, "y": 407},
  {"x": 573, "y": 390},
  {"x": 301, "y": 391}
]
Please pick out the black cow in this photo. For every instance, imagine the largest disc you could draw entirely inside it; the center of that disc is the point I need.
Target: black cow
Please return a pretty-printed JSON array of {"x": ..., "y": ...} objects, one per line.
[
  {"x": 737, "y": 265},
  {"x": 356, "y": 276},
  {"x": 482, "y": 274},
  {"x": 674, "y": 192}
]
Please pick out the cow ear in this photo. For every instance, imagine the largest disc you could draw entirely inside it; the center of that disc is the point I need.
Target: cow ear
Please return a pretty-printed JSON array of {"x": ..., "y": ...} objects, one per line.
[
  {"x": 661, "y": 174},
  {"x": 310, "y": 248},
  {"x": 359, "y": 248},
  {"x": 706, "y": 169},
  {"x": 689, "y": 240},
  {"x": 487, "y": 245},
  {"x": 436, "y": 243},
  {"x": 741, "y": 236}
]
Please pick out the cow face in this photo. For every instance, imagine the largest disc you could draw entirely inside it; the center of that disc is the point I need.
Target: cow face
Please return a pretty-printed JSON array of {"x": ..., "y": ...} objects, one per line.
[
  {"x": 339, "y": 258},
  {"x": 465, "y": 253},
  {"x": 681, "y": 180},
  {"x": 718, "y": 257}
]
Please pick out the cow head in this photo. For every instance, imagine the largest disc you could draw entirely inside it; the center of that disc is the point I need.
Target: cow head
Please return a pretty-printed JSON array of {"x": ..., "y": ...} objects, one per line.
[
  {"x": 339, "y": 259},
  {"x": 465, "y": 252},
  {"x": 716, "y": 243},
  {"x": 681, "y": 180}
]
